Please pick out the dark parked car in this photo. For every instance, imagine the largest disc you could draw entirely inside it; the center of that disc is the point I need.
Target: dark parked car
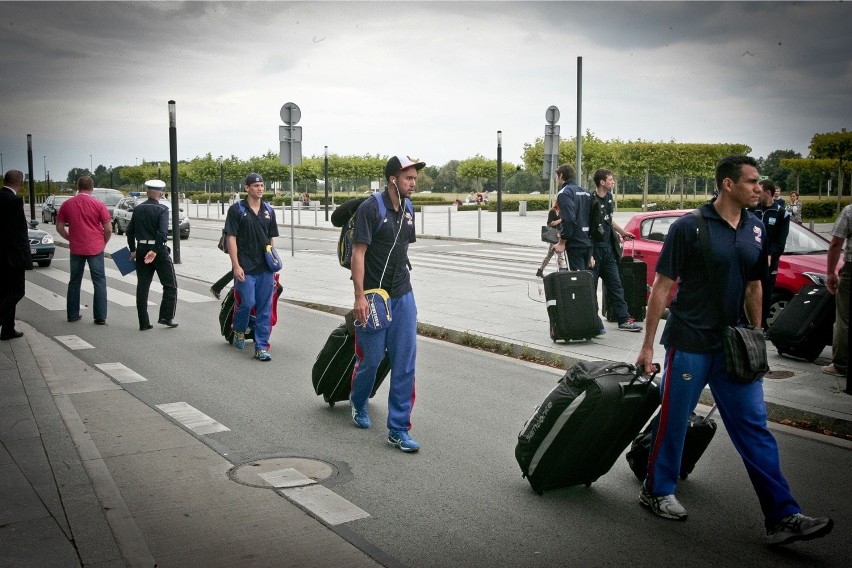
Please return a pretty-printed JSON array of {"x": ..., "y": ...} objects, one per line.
[
  {"x": 109, "y": 197},
  {"x": 41, "y": 245},
  {"x": 124, "y": 211},
  {"x": 803, "y": 261},
  {"x": 51, "y": 206}
]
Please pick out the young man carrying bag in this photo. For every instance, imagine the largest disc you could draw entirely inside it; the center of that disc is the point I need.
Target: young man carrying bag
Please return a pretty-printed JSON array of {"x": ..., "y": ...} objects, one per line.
[{"x": 380, "y": 260}]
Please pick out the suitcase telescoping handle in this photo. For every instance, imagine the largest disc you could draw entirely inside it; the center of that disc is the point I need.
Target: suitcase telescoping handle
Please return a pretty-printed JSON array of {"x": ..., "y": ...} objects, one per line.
[{"x": 639, "y": 372}]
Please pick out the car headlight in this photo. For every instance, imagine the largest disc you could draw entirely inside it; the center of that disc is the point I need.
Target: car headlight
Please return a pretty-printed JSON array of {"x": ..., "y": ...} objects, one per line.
[
  {"x": 47, "y": 240},
  {"x": 815, "y": 277}
]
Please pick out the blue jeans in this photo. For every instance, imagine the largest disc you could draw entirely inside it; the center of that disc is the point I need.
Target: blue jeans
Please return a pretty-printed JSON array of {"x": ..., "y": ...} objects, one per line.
[
  {"x": 742, "y": 409},
  {"x": 255, "y": 292},
  {"x": 400, "y": 342},
  {"x": 96, "y": 270}
]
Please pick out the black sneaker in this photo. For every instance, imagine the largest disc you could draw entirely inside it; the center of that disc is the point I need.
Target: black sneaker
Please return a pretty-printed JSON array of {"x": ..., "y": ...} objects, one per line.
[{"x": 798, "y": 527}]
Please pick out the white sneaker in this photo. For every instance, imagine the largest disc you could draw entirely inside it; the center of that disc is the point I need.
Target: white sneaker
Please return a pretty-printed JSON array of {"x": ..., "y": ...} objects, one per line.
[
  {"x": 666, "y": 506},
  {"x": 798, "y": 527}
]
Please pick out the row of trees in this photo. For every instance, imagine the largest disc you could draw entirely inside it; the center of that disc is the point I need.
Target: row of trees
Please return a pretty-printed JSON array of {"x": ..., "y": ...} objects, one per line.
[{"x": 641, "y": 167}]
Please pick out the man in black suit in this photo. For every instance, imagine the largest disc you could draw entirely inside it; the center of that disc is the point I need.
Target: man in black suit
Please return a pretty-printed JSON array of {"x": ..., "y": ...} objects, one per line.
[{"x": 15, "y": 255}]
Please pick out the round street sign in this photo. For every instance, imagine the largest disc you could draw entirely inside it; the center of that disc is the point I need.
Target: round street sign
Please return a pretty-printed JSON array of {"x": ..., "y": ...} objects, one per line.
[
  {"x": 290, "y": 113},
  {"x": 551, "y": 115}
]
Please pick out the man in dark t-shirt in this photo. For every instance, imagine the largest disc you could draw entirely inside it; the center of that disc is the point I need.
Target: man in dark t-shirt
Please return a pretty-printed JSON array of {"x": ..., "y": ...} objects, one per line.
[
  {"x": 380, "y": 260},
  {"x": 695, "y": 358},
  {"x": 251, "y": 226}
]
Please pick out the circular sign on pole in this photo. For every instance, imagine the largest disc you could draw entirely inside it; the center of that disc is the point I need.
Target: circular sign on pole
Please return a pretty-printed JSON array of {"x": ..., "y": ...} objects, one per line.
[
  {"x": 551, "y": 115},
  {"x": 290, "y": 113}
]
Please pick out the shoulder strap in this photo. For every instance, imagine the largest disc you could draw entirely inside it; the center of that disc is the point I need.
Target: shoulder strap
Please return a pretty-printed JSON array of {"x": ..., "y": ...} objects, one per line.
[{"x": 705, "y": 250}]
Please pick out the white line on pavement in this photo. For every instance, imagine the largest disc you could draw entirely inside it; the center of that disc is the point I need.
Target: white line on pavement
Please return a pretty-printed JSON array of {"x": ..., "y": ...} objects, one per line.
[
  {"x": 325, "y": 504},
  {"x": 45, "y": 298},
  {"x": 73, "y": 342},
  {"x": 120, "y": 373},
  {"x": 157, "y": 288},
  {"x": 192, "y": 418},
  {"x": 113, "y": 295}
]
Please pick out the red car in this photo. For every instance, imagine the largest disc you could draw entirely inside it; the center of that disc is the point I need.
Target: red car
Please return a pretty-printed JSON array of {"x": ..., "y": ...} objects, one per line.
[{"x": 803, "y": 261}]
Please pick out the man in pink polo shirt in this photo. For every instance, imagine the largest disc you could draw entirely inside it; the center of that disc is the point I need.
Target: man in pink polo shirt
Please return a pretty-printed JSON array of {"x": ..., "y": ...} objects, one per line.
[{"x": 86, "y": 224}]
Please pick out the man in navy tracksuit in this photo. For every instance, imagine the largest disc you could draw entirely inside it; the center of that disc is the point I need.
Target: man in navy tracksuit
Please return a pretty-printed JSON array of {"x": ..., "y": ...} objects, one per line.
[
  {"x": 574, "y": 202},
  {"x": 694, "y": 356},
  {"x": 776, "y": 221},
  {"x": 380, "y": 260}
]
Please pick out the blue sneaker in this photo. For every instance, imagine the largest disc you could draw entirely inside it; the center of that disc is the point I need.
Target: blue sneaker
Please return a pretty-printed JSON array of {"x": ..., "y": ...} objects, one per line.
[
  {"x": 262, "y": 355},
  {"x": 239, "y": 340},
  {"x": 360, "y": 416},
  {"x": 400, "y": 439}
]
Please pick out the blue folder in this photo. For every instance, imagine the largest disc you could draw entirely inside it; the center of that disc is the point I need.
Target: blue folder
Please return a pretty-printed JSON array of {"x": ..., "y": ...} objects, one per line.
[{"x": 123, "y": 262}]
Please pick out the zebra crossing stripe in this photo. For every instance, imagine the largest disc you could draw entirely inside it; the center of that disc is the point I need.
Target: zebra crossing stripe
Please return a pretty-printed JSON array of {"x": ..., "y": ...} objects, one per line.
[
  {"x": 113, "y": 295},
  {"x": 192, "y": 418},
  {"x": 45, "y": 298},
  {"x": 157, "y": 288}
]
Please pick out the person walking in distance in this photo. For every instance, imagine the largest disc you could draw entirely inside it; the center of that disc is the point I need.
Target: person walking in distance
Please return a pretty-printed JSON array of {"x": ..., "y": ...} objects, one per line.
[
  {"x": 380, "y": 260},
  {"x": 574, "y": 207},
  {"x": 694, "y": 356},
  {"x": 15, "y": 255},
  {"x": 776, "y": 221},
  {"x": 554, "y": 221},
  {"x": 147, "y": 234},
  {"x": 251, "y": 226},
  {"x": 86, "y": 224},
  {"x": 841, "y": 243},
  {"x": 603, "y": 231}
]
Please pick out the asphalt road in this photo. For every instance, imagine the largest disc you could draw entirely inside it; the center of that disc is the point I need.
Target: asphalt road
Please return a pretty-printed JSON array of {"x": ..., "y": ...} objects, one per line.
[{"x": 461, "y": 500}]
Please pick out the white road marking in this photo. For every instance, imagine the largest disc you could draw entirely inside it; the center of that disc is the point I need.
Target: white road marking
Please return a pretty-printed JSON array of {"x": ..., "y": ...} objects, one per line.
[
  {"x": 157, "y": 288},
  {"x": 192, "y": 418},
  {"x": 113, "y": 295},
  {"x": 45, "y": 298},
  {"x": 73, "y": 342},
  {"x": 288, "y": 477},
  {"x": 120, "y": 373},
  {"x": 325, "y": 504}
]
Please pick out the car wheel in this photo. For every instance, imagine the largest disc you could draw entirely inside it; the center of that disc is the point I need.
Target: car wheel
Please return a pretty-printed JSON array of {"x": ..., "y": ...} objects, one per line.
[
  {"x": 779, "y": 302},
  {"x": 44, "y": 263}
]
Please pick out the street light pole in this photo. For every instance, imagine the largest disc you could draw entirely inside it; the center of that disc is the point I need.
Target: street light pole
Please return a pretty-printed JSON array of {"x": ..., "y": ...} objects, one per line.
[
  {"x": 325, "y": 170},
  {"x": 91, "y": 165},
  {"x": 499, "y": 181},
  {"x": 222, "y": 183},
  {"x": 173, "y": 159},
  {"x": 30, "y": 166}
]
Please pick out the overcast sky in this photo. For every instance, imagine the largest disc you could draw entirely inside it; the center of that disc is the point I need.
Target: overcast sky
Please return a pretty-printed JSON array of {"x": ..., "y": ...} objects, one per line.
[{"x": 433, "y": 80}]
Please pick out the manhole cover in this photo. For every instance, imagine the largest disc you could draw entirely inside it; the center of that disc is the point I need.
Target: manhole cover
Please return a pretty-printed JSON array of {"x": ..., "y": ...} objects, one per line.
[
  {"x": 779, "y": 374},
  {"x": 253, "y": 472}
]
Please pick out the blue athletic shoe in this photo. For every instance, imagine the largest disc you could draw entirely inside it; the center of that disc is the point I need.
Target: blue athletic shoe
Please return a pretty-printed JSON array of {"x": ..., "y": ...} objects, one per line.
[
  {"x": 262, "y": 355},
  {"x": 360, "y": 416},
  {"x": 239, "y": 340},
  {"x": 400, "y": 439}
]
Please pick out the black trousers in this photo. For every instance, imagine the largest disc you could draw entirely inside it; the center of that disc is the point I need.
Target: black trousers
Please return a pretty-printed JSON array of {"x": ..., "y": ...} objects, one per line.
[
  {"x": 12, "y": 289},
  {"x": 165, "y": 270}
]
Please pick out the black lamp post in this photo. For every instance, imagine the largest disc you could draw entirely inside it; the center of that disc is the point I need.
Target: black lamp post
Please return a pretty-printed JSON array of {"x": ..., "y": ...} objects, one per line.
[
  {"x": 325, "y": 170},
  {"x": 173, "y": 159},
  {"x": 499, "y": 181}
]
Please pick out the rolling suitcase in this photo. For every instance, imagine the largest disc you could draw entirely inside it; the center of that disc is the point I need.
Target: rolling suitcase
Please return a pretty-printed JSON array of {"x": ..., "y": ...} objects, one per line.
[
  {"x": 699, "y": 433},
  {"x": 584, "y": 424},
  {"x": 571, "y": 305},
  {"x": 634, "y": 280},
  {"x": 228, "y": 306},
  {"x": 332, "y": 371},
  {"x": 804, "y": 327}
]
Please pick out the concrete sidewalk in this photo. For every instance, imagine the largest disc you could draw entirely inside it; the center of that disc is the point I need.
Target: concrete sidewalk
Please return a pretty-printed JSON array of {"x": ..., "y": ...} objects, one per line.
[{"x": 91, "y": 476}]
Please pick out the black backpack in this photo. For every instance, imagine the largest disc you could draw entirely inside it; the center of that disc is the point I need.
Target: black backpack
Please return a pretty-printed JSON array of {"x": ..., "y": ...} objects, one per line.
[{"x": 347, "y": 232}]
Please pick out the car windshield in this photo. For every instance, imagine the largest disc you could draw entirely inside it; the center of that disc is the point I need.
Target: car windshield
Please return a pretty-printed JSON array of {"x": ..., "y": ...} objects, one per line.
[
  {"x": 802, "y": 241},
  {"x": 60, "y": 198},
  {"x": 108, "y": 198}
]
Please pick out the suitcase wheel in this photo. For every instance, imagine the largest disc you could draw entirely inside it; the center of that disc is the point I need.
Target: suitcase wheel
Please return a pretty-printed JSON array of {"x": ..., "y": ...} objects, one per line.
[
  {"x": 553, "y": 332},
  {"x": 331, "y": 404}
]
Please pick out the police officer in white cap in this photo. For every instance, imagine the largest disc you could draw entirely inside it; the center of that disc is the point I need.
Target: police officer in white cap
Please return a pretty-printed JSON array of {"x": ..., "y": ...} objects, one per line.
[{"x": 147, "y": 235}]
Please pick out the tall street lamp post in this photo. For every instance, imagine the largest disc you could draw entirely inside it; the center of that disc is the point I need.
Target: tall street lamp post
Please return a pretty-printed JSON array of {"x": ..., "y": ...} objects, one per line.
[
  {"x": 173, "y": 159},
  {"x": 499, "y": 181}
]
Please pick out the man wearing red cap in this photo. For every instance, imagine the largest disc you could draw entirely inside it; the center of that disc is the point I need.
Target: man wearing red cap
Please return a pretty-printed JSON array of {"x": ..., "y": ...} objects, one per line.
[{"x": 380, "y": 260}]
